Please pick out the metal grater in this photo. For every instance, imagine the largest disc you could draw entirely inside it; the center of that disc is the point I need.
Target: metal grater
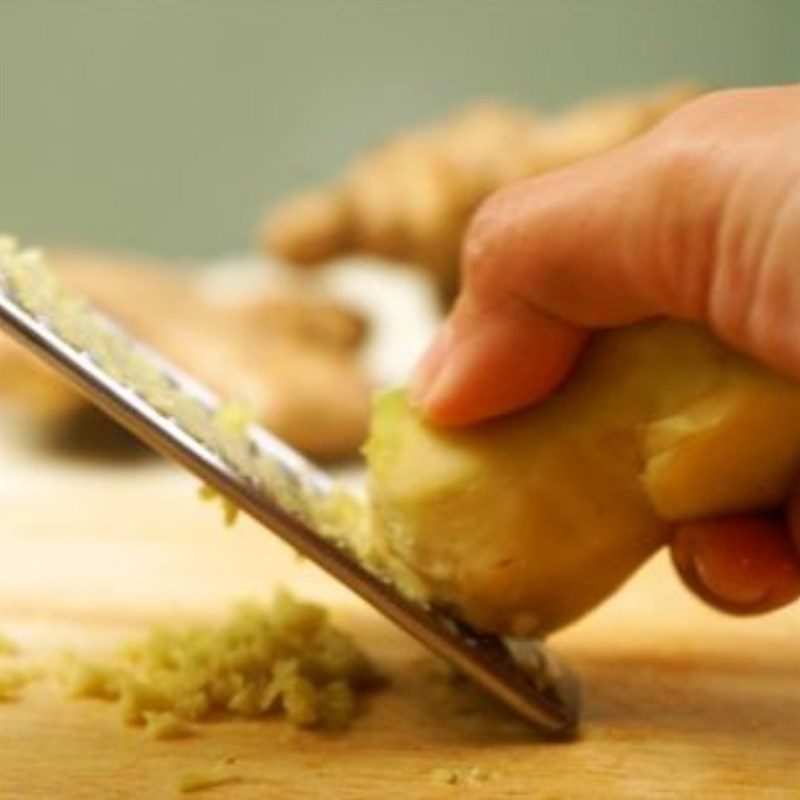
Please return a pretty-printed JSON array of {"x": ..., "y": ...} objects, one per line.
[{"x": 177, "y": 416}]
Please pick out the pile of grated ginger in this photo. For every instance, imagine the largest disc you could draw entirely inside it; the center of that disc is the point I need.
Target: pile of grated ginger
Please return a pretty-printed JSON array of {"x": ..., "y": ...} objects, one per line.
[{"x": 285, "y": 657}]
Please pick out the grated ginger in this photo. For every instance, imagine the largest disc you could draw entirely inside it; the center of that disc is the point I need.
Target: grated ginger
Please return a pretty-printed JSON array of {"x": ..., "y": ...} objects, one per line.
[
  {"x": 283, "y": 658},
  {"x": 198, "y": 780},
  {"x": 164, "y": 725},
  {"x": 448, "y": 776},
  {"x": 230, "y": 511}
]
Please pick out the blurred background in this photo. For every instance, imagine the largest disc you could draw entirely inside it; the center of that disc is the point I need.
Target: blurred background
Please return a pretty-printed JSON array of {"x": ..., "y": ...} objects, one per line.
[{"x": 166, "y": 127}]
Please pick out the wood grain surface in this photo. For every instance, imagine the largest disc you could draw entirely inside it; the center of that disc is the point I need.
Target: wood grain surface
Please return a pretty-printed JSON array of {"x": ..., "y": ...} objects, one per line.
[{"x": 681, "y": 702}]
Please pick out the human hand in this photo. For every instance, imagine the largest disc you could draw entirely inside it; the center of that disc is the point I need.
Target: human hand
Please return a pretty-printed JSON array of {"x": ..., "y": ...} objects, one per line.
[{"x": 699, "y": 219}]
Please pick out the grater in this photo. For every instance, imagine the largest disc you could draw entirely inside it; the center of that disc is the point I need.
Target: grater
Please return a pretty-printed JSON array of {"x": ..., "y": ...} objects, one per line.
[{"x": 182, "y": 419}]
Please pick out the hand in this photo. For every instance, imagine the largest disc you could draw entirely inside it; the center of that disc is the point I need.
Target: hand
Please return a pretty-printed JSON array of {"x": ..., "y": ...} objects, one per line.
[{"x": 699, "y": 219}]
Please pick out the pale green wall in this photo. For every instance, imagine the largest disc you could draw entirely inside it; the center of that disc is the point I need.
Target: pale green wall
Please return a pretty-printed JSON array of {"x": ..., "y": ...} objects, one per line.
[{"x": 164, "y": 125}]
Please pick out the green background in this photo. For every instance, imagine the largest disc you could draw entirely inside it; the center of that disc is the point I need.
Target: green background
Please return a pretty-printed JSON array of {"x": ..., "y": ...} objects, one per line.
[{"x": 166, "y": 125}]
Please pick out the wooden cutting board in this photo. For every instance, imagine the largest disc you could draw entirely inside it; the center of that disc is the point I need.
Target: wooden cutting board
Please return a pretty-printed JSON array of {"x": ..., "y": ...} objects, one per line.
[{"x": 681, "y": 702}]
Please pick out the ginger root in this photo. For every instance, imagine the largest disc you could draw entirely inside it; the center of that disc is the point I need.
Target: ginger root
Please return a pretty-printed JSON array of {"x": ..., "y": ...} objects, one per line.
[
  {"x": 524, "y": 523},
  {"x": 292, "y": 358},
  {"x": 411, "y": 198}
]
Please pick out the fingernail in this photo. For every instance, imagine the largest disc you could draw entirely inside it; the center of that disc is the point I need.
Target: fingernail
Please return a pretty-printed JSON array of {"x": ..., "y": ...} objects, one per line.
[
  {"x": 726, "y": 585},
  {"x": 430, "y": 367},
  {"x": 740, "y": 564}
]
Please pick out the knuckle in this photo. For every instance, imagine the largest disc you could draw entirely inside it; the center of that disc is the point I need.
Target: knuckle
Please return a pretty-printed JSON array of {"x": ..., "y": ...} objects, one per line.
[{"x": 485, "y": 243}]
